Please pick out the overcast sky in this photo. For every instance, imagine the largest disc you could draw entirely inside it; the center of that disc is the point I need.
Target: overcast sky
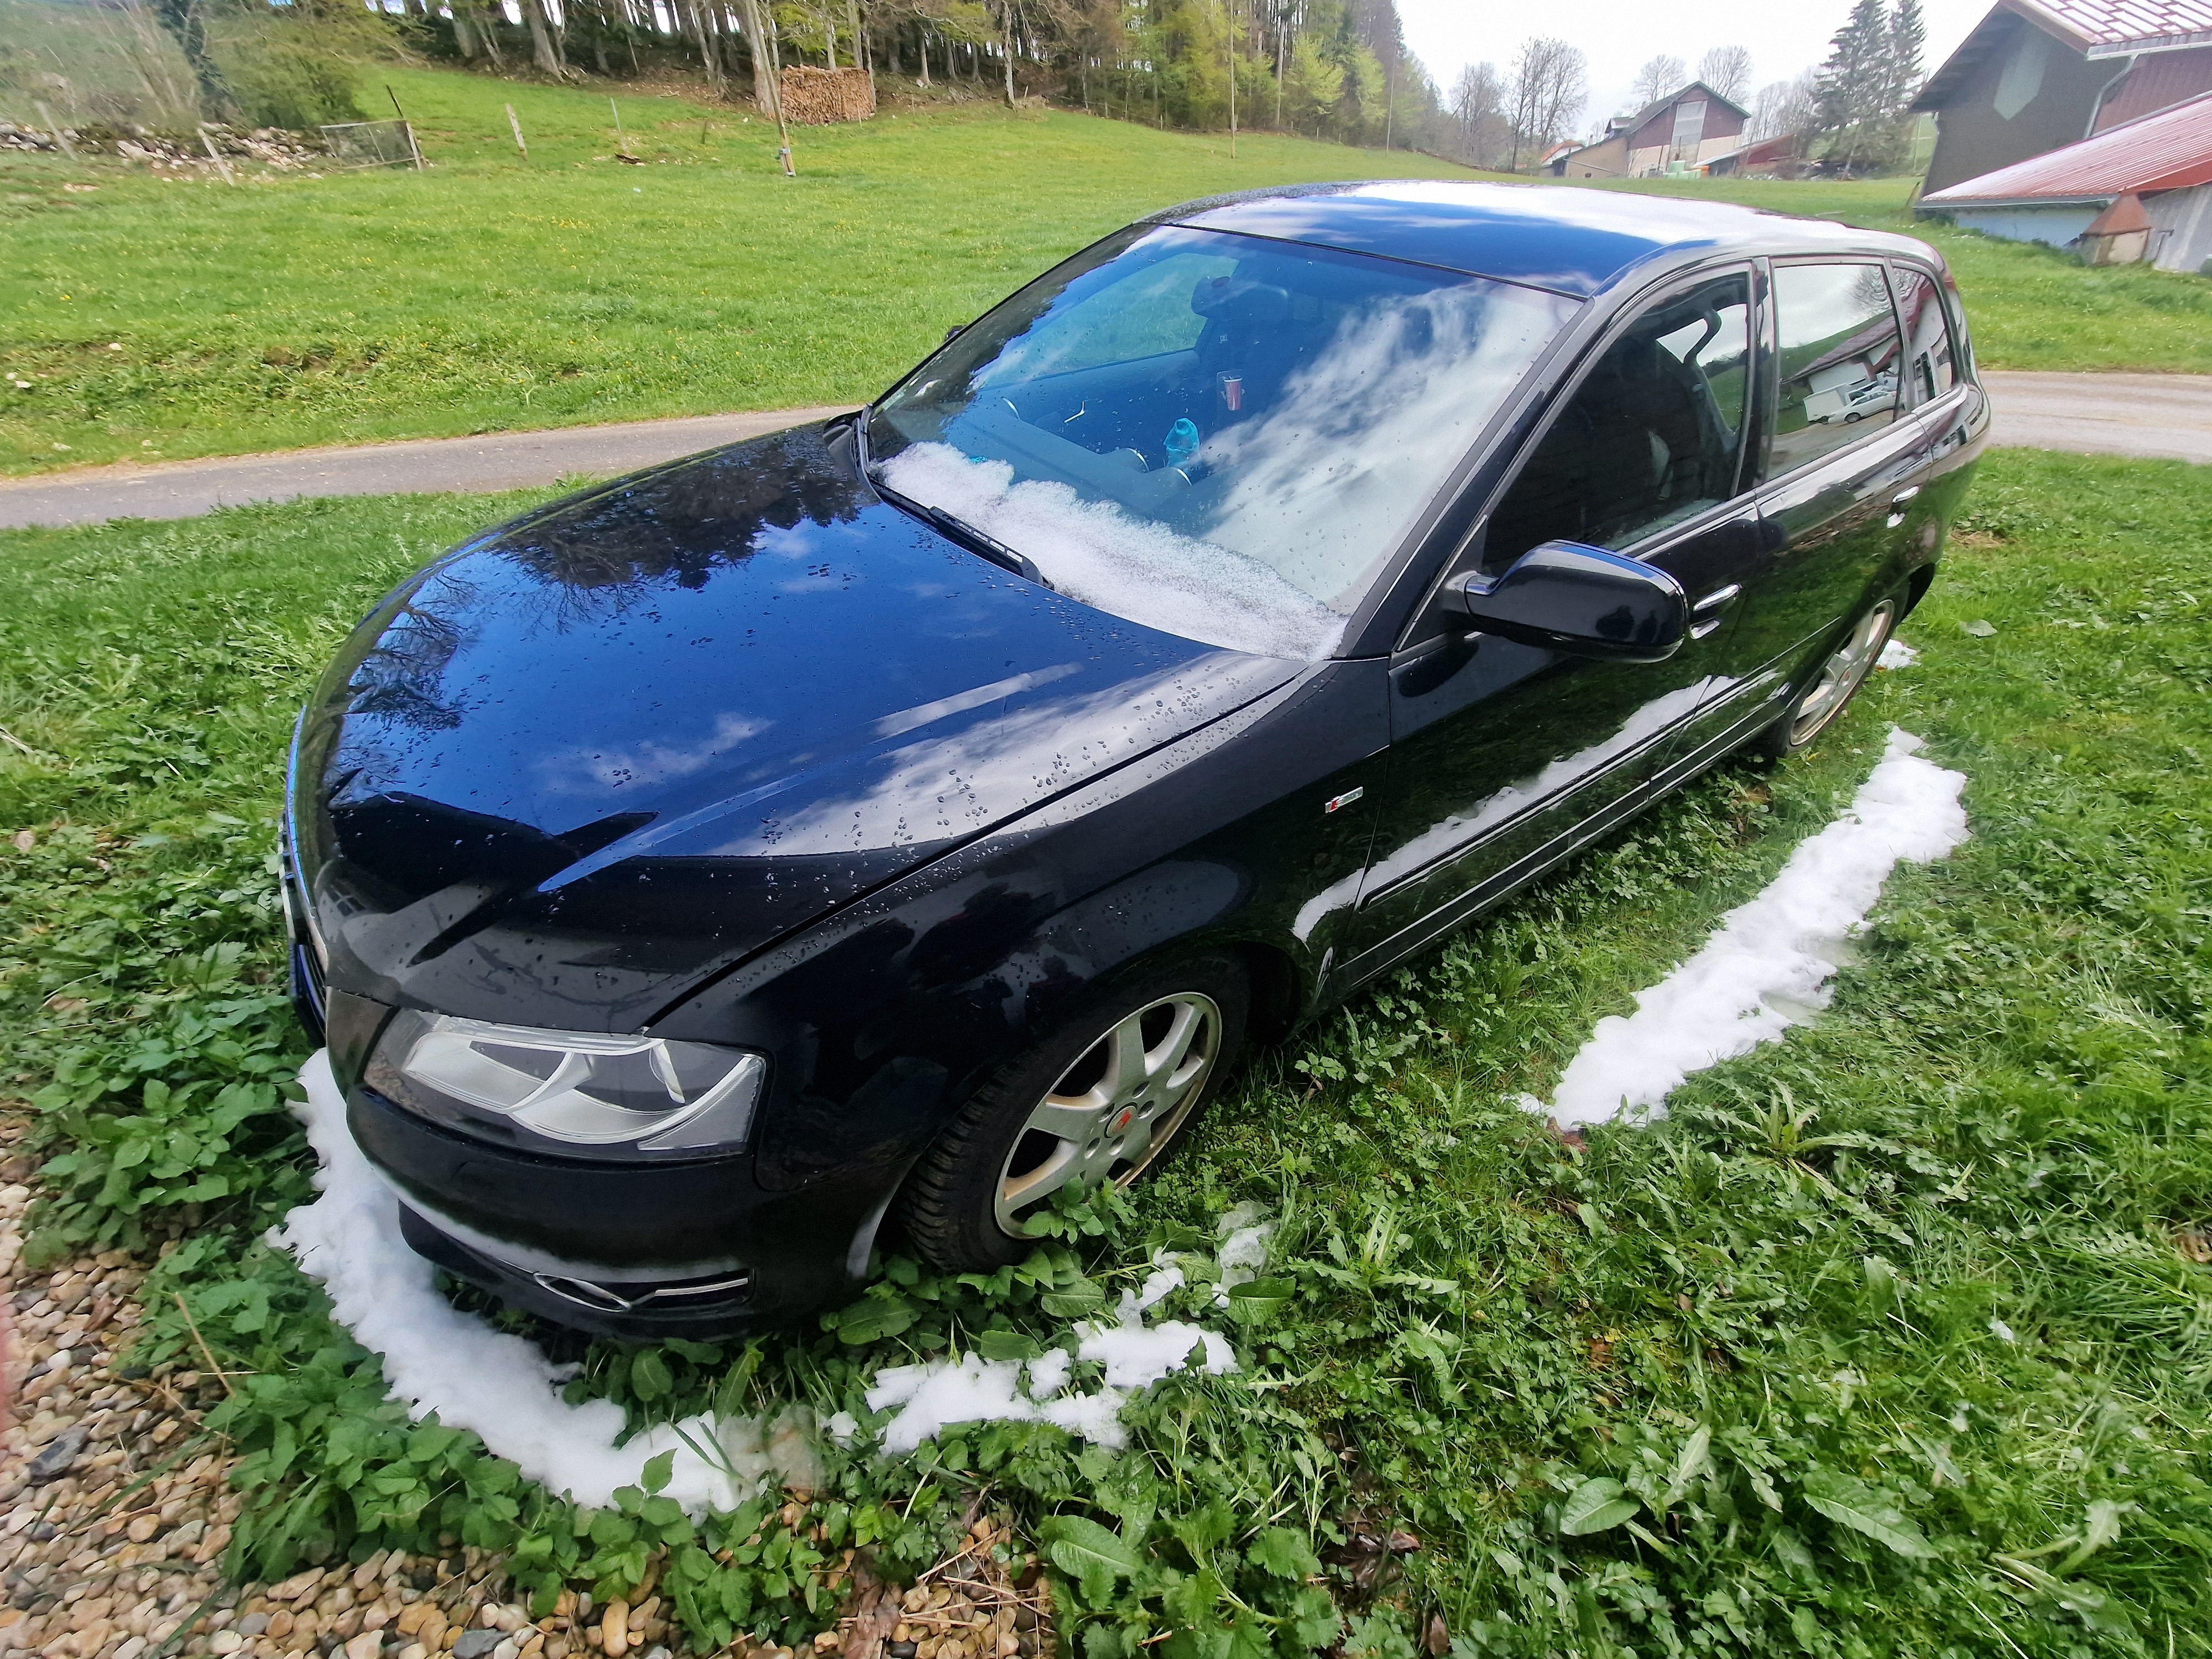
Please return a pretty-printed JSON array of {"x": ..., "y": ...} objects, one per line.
[{"x": 1784, "y": 36}]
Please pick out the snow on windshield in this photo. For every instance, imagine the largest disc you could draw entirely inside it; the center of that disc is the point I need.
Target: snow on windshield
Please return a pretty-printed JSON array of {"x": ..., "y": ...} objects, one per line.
[{"x": 1144, "y": 571}]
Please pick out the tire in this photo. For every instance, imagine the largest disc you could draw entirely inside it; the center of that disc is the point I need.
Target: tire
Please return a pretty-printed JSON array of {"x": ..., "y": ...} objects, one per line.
[
  {"x": 1836, "y": 681},
  {"x": 1144, "y": 1059}
]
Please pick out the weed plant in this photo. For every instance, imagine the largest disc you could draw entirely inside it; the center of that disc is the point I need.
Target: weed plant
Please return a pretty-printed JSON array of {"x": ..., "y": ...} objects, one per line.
[
  {"x": 155, "y": 318},
  {"x": 1894, "y": 1337}
]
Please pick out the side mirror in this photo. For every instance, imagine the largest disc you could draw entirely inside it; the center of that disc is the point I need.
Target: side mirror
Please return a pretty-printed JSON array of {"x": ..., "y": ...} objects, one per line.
[{"x": 1582, "y": 600}]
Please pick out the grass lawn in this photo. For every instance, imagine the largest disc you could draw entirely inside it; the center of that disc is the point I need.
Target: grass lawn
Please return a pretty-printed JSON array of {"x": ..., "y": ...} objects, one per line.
[
  {"x": 162, "y": 319},
  {"x": 1895, "y": 1335},
  {"x": 490, "y": 294}
]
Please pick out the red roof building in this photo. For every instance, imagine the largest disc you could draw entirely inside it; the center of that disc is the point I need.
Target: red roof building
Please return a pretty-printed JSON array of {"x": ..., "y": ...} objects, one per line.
[
  {"x": 2164, "y": 159},
  {"x": 2037, "y": 74}
]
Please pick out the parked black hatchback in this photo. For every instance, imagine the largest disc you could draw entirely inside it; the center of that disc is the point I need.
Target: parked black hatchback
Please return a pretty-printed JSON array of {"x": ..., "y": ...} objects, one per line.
[{"x": 878, "y": 827}]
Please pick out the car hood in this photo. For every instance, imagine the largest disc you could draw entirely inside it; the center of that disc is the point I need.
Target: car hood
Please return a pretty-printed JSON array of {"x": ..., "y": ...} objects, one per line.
[{"x": 601, "y": 753}]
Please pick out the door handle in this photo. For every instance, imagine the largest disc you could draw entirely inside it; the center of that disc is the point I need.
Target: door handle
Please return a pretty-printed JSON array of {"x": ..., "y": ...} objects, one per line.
[
  {"x": 1904, "y": 496},
  {"x": 1717, "y": 598}
]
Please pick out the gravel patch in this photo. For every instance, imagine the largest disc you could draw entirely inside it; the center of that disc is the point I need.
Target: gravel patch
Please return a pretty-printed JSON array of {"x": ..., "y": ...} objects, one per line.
[{"x": 115, "y": 1510}]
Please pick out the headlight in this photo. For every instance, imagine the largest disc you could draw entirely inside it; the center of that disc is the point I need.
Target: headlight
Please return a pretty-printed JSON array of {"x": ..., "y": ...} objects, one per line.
[{"x": 618, "y": 1095}]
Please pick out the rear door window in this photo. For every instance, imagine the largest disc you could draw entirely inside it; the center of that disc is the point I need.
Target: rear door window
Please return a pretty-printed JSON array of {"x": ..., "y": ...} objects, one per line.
[
  {"x": 1651, "y": 437},
  {"x": 1841, "y": 359},
  {"x": 1928, "y": 372}
]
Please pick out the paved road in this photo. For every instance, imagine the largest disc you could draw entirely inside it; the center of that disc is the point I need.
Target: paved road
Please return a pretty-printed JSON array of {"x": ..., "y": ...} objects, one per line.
[
  {"x": 2155, "y": 415},
  {"x": 502, "y": 460},
  {"x": 2166, "y": 416}
]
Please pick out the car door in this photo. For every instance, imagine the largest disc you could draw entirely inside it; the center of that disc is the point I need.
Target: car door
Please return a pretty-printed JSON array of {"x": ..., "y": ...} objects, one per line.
[
  {"x": 1940, "y": 382},
  {"x": 1844, "y": 459},
  {"x": 1504, "y": 754}
]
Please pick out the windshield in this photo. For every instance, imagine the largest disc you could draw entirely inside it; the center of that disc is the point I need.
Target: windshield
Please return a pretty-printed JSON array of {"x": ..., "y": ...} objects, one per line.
[{"x": 1217, "y": 435}]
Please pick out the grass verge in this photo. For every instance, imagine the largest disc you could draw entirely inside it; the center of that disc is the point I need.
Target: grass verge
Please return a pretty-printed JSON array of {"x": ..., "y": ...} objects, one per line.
[{"x": 1894, "y": 1337}]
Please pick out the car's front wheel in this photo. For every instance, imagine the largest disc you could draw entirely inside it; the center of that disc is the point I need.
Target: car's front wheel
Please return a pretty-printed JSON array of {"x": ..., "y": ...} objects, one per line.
[
  {"x": 1102, "y": 1099},
  {"x": 1841, "y": 675}
]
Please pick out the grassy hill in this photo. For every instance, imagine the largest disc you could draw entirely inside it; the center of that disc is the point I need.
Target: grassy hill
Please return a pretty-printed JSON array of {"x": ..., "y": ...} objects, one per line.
[
  {"x": 493, "y": 293},
  {"x": 156, "y": 317}
]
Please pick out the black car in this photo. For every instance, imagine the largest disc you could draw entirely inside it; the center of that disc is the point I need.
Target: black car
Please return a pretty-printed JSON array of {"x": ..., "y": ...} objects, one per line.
[{"x": 866, "y": 832}]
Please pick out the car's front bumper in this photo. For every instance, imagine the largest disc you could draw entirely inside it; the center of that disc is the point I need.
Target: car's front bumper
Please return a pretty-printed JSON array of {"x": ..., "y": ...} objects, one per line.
[{"x": 632, "y": 1250}]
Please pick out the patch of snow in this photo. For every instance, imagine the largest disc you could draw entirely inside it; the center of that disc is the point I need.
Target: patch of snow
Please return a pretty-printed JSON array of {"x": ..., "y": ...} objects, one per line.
[
  {"x": 1897, "y": 654},
  {"x": 1771, "y": 964},
  {"x": 1094, "y": 552},
  {"x": 937, "y": 1393},
  {"x": 2002, "y": 1331},
  {"x": 1048, "y": 1372},
  {"x": 1245, "y": 1237},
  {"x": 440, "y": 1360}
]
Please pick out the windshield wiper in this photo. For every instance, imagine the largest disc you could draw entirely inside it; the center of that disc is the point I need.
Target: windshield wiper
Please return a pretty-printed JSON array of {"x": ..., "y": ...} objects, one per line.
[{"x": 950, "y": 525}]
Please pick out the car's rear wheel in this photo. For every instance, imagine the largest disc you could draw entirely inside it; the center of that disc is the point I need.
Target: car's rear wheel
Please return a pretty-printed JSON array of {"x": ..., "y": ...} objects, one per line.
[
  {"x": 1102, "y": 1099},
  {"x": 1838, "y": 680}
]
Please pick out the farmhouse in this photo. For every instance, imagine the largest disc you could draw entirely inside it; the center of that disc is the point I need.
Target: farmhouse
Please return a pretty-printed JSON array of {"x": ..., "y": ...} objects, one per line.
[
  {"x": 2037, "y": 74},
  {"x": 1680, "y": 134}
]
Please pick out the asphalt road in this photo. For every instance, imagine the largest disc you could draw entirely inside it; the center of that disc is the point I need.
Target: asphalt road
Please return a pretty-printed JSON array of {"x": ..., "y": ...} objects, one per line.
[
  {"x": 2166, "y": 415},
  {"x": 501, "y": 460}
]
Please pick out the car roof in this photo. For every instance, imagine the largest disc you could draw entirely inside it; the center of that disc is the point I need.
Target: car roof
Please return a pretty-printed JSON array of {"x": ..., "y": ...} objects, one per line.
[{"x": 1572, "y": 240}]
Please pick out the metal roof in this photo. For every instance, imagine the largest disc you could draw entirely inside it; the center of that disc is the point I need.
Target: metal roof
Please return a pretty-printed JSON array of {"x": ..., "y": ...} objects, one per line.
[
  {"x": 2096, "y": 28},
  {"x": 2169, "y": 150}
]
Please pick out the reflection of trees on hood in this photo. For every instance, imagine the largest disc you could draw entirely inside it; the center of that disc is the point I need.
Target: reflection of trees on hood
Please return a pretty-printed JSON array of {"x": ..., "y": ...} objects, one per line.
[
  {"x": 674, "y": 527},
  {"x": 400, "y": 678}
]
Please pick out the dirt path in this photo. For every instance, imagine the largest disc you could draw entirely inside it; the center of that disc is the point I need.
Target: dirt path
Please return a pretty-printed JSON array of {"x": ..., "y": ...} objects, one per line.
[{"x": 2164, "y": 416}]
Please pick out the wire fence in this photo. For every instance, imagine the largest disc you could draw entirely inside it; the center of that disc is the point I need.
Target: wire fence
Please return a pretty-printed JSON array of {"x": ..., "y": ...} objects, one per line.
[{"x": 373, "y": 144}]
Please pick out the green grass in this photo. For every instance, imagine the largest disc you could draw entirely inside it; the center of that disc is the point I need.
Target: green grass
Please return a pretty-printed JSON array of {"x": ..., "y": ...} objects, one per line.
[
  {"x": 492, "y": 294},
  {"x": 1890, "y": 1331}
]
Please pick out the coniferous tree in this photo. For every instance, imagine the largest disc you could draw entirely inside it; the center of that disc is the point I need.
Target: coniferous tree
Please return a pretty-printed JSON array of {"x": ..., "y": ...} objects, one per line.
[{"x": 1851, "y": 90}]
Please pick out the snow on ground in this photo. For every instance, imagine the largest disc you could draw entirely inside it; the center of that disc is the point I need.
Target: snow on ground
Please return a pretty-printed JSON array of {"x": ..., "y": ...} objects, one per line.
[
  {"x": 439, "y": 1359},
  {"x": 939, "y": 1393},
  {"x": 1771, "y": 964},
  {"x": 1897, "y": 654}
]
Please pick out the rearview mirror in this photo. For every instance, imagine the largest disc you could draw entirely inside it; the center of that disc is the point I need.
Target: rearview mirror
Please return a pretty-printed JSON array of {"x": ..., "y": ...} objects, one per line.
[{"x": 1583, "y": 600}]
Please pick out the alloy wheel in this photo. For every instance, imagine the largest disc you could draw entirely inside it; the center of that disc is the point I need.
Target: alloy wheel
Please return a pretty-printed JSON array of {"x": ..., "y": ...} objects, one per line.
[
  {"x": 1841, "y": 675},
  {"x": 1116, "y": 1108}
]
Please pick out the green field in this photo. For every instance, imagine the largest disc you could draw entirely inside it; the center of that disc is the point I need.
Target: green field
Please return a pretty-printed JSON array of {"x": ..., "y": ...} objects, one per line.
[
  {"x": 144, "y": 318},
  {"x": 1895, "y": 1335}
]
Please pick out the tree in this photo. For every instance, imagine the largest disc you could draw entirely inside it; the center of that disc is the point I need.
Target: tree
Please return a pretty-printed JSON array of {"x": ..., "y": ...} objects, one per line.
[
  {"x": 1907, "y": 35},
  {"x": 1481, "y": 132},
  {"x": 1860, "y": 92},
  {"x": 1727, "y": 70},
  {"x": 1551, "y": 82},
  {"x": 1660, "y": 77},
  {"x": 1783, "y": 109}
]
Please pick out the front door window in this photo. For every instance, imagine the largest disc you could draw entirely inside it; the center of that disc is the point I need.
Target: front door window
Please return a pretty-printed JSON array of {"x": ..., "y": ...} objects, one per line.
[{"x": 1655, "y": 433}]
